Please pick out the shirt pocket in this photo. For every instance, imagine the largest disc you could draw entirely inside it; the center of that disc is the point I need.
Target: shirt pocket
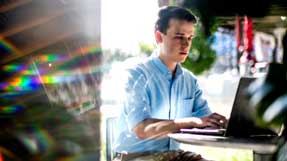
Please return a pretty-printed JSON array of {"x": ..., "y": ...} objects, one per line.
[{"x": 186, "y": 107}]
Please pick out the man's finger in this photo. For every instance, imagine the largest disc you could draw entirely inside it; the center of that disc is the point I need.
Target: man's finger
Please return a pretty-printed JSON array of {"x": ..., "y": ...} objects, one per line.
[
  {"x": 214, "y": 121},
  {"x": 218, "y": 116},
  {"x": 211, "y": 124}
]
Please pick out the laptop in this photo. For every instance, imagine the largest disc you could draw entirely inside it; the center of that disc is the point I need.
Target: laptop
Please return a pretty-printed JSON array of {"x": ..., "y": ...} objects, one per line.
[{"x": 241, "y": 122}]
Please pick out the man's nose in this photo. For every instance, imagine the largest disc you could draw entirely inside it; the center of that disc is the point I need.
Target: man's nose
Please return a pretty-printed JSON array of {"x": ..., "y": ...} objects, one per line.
[{"x": 185, "y": 42}]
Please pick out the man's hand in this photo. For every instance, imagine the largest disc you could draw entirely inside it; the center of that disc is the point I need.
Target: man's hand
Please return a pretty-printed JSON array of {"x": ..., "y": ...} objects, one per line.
[
  {"x": 156, "y": 128},
  {"x": 214, "y": 120}
]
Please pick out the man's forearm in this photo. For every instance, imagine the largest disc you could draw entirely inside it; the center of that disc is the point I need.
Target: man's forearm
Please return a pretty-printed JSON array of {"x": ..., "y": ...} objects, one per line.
[{"x": 155, "y": 128}]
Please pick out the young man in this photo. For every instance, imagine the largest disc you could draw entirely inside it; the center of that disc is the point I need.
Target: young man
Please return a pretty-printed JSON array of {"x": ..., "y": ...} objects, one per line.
[{"x": 161, "y": 97}]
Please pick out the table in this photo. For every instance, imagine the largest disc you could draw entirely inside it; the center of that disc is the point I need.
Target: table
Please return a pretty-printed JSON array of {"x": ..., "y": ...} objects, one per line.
[{"x": 263, "y": 149}]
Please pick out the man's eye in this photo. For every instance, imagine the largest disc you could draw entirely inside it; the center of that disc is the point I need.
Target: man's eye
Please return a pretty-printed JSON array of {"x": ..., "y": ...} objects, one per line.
[
  {"x": 179, "y": 37},
  {"x": 183, "y": 38},
  {"x": 191, "y": 37}
]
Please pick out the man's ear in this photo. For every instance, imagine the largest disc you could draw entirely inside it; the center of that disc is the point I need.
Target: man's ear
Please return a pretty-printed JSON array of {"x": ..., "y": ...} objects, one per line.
[{"x": 158, "y": 36}]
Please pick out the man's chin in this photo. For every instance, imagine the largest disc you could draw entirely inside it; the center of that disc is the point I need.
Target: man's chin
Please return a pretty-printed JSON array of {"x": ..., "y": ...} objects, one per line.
[{"x": 182, "y": 60}]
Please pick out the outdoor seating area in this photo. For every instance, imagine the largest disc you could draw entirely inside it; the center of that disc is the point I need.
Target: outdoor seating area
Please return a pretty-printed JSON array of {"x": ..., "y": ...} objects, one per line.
[{"x": 73, "y": 78}]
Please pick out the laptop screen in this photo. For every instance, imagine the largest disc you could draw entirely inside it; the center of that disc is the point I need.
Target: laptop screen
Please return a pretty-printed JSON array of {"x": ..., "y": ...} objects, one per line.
[{"x": 242, "y": 121}]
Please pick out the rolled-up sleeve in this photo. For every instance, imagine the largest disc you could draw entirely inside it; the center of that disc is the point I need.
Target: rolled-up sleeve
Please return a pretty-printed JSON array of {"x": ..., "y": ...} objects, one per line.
[
  {"x": 201, "y": 107},
  {"x": 136, "y": 102}
]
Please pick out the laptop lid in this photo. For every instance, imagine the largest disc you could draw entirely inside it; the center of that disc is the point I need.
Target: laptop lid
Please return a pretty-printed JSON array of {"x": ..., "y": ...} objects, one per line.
[{"x": 242, "y": 122}]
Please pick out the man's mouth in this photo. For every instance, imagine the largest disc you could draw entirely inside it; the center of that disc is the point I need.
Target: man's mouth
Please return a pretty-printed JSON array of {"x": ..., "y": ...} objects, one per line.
[{"x": 183, "y": 53}]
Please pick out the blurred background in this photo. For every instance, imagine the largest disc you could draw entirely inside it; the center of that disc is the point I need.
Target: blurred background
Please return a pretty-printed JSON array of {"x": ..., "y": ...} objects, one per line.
[{"x": 61, "y": 64}]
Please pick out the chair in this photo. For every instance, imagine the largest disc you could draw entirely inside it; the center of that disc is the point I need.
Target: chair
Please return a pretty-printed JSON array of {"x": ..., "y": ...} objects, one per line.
[{"x": 111, "y": 124}]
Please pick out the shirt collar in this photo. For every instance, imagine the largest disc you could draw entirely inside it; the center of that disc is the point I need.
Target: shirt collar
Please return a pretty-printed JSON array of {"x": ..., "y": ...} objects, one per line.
[{"x": 162, "y": 67}]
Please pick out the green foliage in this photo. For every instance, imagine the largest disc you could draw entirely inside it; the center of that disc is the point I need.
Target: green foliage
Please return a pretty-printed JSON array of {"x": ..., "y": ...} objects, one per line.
[
  {"x": 147, "y": 48},
  {"x": 201, "y": 56},
  {"x": 116, "y": 55}
]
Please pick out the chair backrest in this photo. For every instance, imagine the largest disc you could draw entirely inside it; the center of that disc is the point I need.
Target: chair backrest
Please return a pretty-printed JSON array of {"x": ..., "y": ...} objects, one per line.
[{"x": 111, "y": 124}]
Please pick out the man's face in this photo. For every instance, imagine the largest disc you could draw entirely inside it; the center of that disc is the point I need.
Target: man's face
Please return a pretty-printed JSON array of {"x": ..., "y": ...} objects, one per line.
[{"x": 176, "y": 42}]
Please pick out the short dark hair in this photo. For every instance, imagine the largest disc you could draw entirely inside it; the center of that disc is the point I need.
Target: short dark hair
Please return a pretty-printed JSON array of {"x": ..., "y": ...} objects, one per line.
[{"x": 174, "y": 12}]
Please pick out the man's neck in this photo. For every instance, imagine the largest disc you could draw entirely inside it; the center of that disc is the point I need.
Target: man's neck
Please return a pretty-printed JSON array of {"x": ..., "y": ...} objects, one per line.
[{"x": 171, "y": 66}]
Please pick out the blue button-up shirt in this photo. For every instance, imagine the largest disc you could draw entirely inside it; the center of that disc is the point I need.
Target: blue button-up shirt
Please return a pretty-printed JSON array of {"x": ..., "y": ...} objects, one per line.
[{"x": 151, "y": 92}]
